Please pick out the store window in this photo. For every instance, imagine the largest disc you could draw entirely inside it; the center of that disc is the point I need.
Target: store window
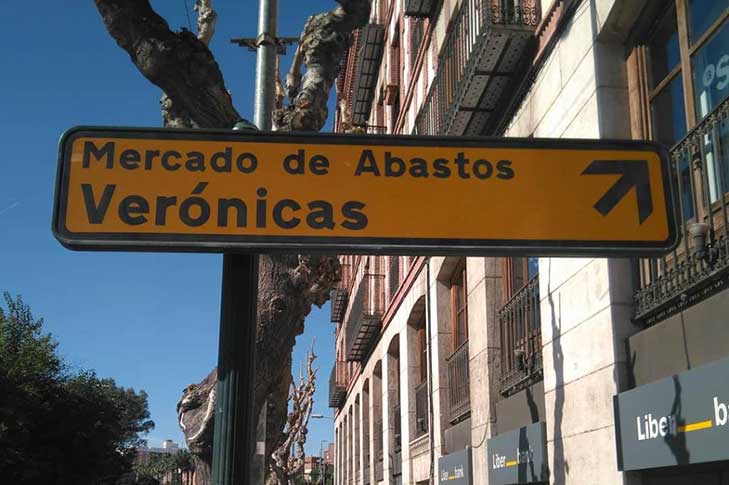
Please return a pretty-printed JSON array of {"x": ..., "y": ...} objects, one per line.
[{"x": 691, "y": 35}]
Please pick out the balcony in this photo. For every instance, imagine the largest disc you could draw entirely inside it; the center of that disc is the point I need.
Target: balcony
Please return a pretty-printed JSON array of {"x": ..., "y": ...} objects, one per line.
[
  {"x": 483, "y": 53},
  {"x": 685, "y": 277},
  {"x": 459, "y": 392},
  {"x": 368, "y": 61},
  {"x": 338, "y": 385},
  {"x": 521, "y": 339},
  {"x": 362, "y": 328},
  {"x": 369, "y": 129},
  {"x": 421, "y": 409},
  {"x": 420, "y": 8},
  {"x": 340, "y": 294}
]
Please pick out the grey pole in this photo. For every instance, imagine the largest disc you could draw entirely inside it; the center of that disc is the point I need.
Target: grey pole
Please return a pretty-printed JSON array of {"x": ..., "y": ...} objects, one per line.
[
  {"x": 265, "y": 64},
  {"x": 234, "y": 424}
]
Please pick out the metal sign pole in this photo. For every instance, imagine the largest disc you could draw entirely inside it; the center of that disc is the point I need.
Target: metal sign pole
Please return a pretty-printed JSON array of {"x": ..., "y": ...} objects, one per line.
[
  {"x": 232, "y": 438},
  {"x": 234, "y": 419}
]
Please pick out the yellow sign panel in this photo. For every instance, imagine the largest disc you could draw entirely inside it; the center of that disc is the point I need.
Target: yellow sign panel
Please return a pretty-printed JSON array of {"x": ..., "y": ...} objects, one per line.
[{"x": 215, "y": 191}]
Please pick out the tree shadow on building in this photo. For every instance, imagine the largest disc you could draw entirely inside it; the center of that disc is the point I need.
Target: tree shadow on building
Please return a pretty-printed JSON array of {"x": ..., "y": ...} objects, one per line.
[
  {"x": 560, "y": 466},
  {"x": 676, "y": 439}
]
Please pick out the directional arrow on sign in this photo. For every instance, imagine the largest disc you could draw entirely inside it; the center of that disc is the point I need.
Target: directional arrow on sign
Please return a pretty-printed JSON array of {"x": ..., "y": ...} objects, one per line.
[{"x": 634, "y": 174}]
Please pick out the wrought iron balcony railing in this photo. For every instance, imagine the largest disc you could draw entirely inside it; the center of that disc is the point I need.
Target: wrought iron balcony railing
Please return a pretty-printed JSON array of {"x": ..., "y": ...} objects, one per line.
[
  {"x": 340, "y": 294},
  {"x": 521, "y": 339},
  {"x": 369, "y": 56},
  {"x": 365, "y": 316},
  {"x": 366, "y": 470},
  {"x": 420, "y": 8},
  {"x": 691, "y": 273},
  {"x": 459, "y": 391},
  {"x": 396, "y": 418},
  {"x": 338, "y": 385},
  {"x": 370, "y": 129},
  {"x": 421, "y": 409},
  {"x": 397, "y": 463},
  {"x": 379, "y": 450},
  {"x": 480, "y": 57}
]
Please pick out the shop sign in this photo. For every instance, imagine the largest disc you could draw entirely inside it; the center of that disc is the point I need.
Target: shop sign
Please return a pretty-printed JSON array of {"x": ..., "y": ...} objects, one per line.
[
  {"x": 455, "y": 468},
  {"x": 679, "y": 420},
  {"x": 519, "y": 456}
]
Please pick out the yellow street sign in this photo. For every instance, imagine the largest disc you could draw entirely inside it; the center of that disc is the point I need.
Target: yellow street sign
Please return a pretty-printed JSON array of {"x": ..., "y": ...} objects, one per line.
[{"x": 193, "y": 190}]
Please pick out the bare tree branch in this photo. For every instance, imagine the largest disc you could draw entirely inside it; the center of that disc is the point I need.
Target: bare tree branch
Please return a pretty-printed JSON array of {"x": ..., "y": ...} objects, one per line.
[
  {"x": 288, "y": 459},
  {"x": 322, "y": 44},
  {"x": 178, "y": 62},
  {"x": 173, "y": 117},
  {"x": 206, "y": 18}
]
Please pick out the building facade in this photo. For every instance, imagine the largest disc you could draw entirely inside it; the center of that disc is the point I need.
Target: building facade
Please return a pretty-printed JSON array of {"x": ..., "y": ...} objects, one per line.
[{"x": 532, "y": 369}]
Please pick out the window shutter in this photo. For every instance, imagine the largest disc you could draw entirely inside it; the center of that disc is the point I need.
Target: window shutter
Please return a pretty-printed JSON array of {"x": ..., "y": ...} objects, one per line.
[
  {"x": 393, "y": 75},
  {"x": 640, "y": 114}
]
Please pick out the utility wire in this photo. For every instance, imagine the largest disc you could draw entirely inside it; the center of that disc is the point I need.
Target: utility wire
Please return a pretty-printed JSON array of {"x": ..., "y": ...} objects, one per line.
[{"x": 187, "y": 14}]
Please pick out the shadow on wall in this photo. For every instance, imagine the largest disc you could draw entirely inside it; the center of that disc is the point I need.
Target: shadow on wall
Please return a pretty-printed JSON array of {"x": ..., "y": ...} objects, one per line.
[
  {"x": 676, "y": 440},
  {"x": 524, "y": 475},
  {"x": 560, "y": 467},
  {"x": 532, "y": 404}
]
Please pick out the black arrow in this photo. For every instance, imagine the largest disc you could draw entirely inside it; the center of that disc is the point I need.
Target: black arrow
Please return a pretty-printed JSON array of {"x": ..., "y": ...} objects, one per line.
[{"x": 634, "y": 174}]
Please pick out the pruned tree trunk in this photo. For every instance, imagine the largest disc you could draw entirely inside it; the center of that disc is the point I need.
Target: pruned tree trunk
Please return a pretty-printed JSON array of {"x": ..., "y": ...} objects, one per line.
[{"x": 195, "y": 95}]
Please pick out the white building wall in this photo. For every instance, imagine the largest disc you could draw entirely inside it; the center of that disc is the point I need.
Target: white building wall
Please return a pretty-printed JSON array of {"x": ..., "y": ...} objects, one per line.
[{"x": 586, "y": 303}]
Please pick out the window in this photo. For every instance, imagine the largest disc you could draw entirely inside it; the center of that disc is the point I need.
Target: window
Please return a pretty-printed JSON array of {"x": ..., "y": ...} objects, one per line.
[
  {"x": 459, "y": 305},
  {"x": 518, "y": 272},
  {"x": 417, "y": 31},
  {"x": 382, "y": 11},
  {"x": 692, "y": 35},
  {"x": 520, "y": 326},
  {"x": 678, "y": 72}
]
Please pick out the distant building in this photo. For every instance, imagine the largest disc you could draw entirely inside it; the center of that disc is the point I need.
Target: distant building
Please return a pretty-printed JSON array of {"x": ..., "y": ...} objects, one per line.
[
  {"x": 319, "y": 470},
  {"x": 312, "y": 465},
  {"x": 144, "y": 453},
  {"x": 329, "y": 454}
]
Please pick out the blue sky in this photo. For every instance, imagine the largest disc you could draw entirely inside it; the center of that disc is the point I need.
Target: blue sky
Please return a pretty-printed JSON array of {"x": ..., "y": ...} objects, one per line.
[{"x": 148, "y": 320}]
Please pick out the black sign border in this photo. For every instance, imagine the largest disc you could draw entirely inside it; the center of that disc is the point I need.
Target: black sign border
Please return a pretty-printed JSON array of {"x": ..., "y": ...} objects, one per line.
[{"x": 352, "y": 244}]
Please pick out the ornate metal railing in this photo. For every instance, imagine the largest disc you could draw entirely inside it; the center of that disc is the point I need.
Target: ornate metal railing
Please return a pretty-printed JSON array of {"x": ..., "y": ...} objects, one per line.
[
  {"x": 691, "y": 273},
  {"x": 370, "y": 129},
  {"x": 340, "y": 293},
  {"x": 338, "y": 385},
  {"x": 521, "y": 339},
  {"x": 397, "y": 427},
  {"x": 469, "y": 27},
  {"x": 366, "y": 469},
  {"x": 421, "y": 409},
  {"x": 397, "y": 463},
  {"x": 459, "y": 392},
  {"x": 379, "y": 450},
  {"x": 365, "y": 316}
]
